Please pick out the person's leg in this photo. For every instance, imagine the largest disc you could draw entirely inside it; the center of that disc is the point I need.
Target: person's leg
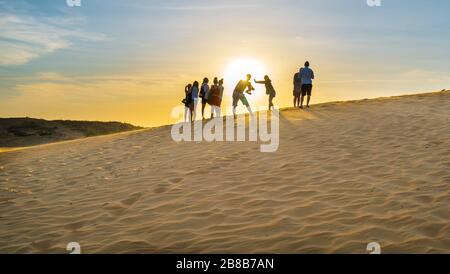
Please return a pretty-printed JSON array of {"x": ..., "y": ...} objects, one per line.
[
  {"x": 195, "y": 109},
  {"x": 245, "y": 103},
  {"x": 203, "y": 110},
  {"x": 303, "y": 94},
  {"x": 249, "y": 110},
  {"x": 219, "y": 112},
  {"x": 235, "y": 102},
  {"x": 186, "y": 111},
  {"x": 309, "y": 95}
]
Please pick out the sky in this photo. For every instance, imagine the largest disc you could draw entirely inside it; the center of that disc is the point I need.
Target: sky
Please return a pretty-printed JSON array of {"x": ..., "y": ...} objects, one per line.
[{"x": 129, "y": 61}]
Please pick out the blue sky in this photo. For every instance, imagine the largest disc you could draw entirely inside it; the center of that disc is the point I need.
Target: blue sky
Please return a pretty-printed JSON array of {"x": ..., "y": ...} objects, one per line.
[{"x": 129, "y": 60}]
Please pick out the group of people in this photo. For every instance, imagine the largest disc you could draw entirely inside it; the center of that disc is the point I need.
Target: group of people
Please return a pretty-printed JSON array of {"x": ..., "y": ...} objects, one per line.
[
  {"x": 210, "y": 95},
  {"x": 213, "y": 95},
  {"x": 303, "y": 85}
]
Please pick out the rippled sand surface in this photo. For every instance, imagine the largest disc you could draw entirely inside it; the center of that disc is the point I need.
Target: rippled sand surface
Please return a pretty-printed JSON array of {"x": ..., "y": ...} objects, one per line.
[{"x": 345, "y": 174}]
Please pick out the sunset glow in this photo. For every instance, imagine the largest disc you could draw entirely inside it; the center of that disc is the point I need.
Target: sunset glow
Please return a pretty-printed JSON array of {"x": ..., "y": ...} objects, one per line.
[
  {"x": 238, "y": 69},
  {"x": 129, "y": 61}
]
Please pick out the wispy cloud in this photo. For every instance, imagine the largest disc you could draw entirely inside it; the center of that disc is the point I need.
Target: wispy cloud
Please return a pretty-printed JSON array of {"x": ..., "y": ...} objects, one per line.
[
  {"x": 209, "y": 7},
  {"x": 199, "y": 6},
  {"x": 24, "y": 37}
]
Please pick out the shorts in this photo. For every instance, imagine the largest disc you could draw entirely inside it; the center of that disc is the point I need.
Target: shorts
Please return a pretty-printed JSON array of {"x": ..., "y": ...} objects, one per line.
[
  {"x": 204, "y": 101},
  {"x": 306, "y": 89},
  {"x": 239, "y": 96},
  {"x": 297, "y": 91}
]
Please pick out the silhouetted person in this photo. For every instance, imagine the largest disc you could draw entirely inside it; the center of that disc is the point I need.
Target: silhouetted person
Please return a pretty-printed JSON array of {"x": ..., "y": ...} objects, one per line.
[
  {"x": 238, "y": 94},
  {"x": 204, "y": 92},
  {"x": 221, "y": 89},
  {"x": 187, "y": 101},
  {"x": 214, "y": 98},
  {"x": 306, "y": 76},
  {"x": 194, "y": 94},
  {"x": 269, "y": 89},
  {"x": 297, "y": 81}
]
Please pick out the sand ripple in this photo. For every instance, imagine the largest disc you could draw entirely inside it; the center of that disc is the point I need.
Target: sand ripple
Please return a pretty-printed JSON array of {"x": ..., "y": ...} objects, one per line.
[{"x": 346, "y": 174}]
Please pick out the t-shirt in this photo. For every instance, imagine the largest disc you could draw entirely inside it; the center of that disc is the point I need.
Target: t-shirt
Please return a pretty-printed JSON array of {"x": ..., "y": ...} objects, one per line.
[
  {"x": 204, "y": 91},
  {"x": 306, "y": 74},
  {"x": 194, "y": 93}
]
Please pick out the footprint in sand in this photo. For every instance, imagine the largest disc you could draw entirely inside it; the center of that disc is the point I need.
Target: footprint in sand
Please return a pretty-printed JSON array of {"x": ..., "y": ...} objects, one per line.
[
  {"x": 161, "y": 188},
  {"x": 176, "y": 180},
  {"x": 42, "y": 245},
  {"x": 133, "y": 198},
  {"x": 114, "y": 208},
  {"x": 75, "y": 225}
]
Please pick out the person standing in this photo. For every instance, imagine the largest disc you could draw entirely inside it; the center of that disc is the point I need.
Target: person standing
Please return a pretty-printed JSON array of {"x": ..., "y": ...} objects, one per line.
[
  {"x": 238, "y": 94},
  {"x": 269, "y": 90},
  {"x": 194, "y": 103},
  {"x": 306, "y": 76},
  {"x": 297, "y": 89},
  {"x": 204, "y": 92},
  {"x": 214, "y": 98},
  {"x": 187, "y": 101},
  {"x": 221, "y": 89}
]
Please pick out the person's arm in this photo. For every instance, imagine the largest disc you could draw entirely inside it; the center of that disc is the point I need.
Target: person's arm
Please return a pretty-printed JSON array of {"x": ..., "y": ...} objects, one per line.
[
  {"x": 260, "y": 82},
  {"x": 250, "y": 87},
  {"x": 312, "y": 74}
]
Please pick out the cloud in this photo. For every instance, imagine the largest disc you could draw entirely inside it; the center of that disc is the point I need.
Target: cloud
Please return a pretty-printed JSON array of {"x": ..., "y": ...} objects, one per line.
[
  {"x": 209, "y": 7},
  {"x": 426, "y": 75},
  {"x": 23, "y": 37},
  {"x": 91, "y": 88},
  {"x": 199, "y": 6}
]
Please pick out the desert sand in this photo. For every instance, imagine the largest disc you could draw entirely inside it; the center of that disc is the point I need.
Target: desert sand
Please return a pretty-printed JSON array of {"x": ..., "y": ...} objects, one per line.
[{"x": 345, "y": 174}]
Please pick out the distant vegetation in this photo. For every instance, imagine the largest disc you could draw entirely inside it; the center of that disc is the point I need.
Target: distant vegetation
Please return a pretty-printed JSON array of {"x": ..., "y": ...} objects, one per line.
[
  {"x": 97, "y": 128},
  {"x": 16, "y": 132}
]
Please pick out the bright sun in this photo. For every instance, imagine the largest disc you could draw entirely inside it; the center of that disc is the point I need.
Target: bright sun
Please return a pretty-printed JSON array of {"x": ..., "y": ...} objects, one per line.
[{"x": 238, "y": 69}]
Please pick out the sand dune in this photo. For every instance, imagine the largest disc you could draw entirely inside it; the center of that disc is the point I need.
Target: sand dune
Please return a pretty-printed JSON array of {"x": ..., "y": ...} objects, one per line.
[
  {"x": 24, "y": 132},
  {"x": 345, "y": 174}
]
